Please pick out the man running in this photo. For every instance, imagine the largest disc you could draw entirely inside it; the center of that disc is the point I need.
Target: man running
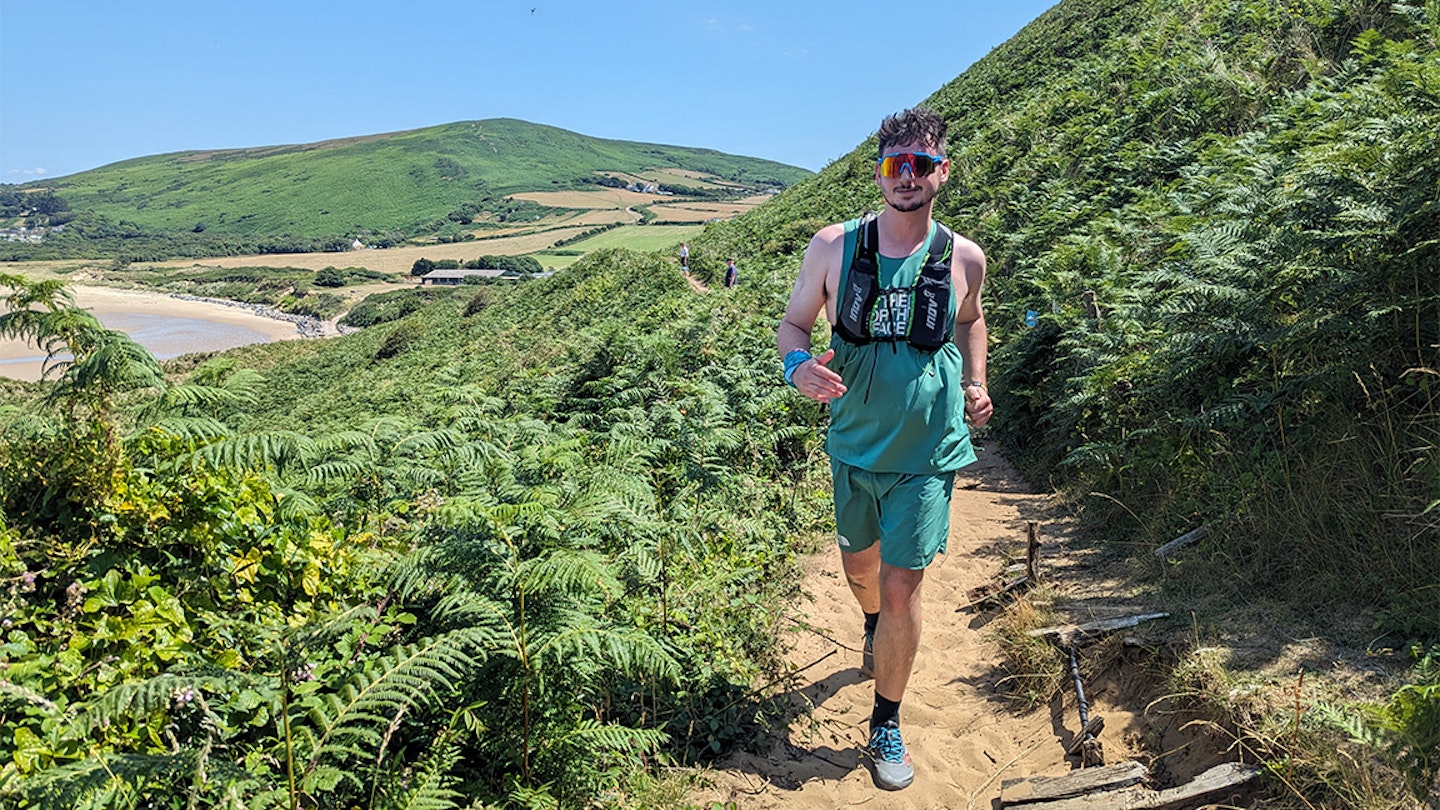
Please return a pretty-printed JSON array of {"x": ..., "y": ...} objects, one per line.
[{"x": 904, "y": 371}]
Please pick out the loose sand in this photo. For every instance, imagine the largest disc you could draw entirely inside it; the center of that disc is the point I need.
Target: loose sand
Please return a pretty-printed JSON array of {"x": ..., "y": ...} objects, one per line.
[
  {"x": 203, "y": 327},
  {"x": 965, "y": 737}
]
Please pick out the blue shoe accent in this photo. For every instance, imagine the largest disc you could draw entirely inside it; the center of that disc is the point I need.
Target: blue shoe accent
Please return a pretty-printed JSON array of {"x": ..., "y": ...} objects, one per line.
[{"x": 893, "y": 769}]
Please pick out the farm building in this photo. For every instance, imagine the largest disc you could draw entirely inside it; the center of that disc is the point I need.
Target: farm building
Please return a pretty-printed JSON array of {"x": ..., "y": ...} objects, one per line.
[{"x": 459, "y": 276}]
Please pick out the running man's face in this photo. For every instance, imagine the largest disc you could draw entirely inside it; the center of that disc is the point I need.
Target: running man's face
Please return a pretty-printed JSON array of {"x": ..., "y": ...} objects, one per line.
[{"x": 907, "y": 192}]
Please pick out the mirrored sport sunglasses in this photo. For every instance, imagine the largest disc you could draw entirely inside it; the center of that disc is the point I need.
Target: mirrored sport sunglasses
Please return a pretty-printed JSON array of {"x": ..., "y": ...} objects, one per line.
[{"x": 920, "y": 163}]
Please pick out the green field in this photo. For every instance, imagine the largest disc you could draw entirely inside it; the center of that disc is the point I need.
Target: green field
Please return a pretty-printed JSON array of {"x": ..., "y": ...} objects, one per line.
[
  {"x": 632, "y": 237},
  {"x": 641, "y": 237},
  {"x": 553, "y": 261}
]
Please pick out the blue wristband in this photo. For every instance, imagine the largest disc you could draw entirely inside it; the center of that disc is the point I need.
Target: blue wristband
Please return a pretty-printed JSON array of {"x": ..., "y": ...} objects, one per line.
[{"x": 794, "y": 360}]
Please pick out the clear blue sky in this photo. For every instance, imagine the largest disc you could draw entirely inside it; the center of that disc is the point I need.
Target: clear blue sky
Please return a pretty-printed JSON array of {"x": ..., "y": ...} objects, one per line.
[{"x": 85, "y": 83}]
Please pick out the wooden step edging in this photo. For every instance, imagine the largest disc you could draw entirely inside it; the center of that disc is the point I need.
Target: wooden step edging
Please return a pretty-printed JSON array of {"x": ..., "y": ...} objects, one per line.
[
  {"x": 1112, "y": 788},
  {"x": 1066, "y": 633},
  {"x": 1015, "y": 792}
]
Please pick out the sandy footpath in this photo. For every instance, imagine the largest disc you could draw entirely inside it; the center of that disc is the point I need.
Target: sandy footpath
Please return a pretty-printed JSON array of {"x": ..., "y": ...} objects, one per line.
[
  {"x": 235, "y": 325},
  {"x": 963, "y": 734}
]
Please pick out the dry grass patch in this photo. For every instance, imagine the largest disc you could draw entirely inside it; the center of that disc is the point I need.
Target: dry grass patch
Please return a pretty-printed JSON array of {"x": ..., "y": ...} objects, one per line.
[
  {"x": 488, "y": 229},
  {"x": 603, "y": 216},
  {"x": 674, "y": 177},
  {"x": 66, "y": 269},
  {"x": 681, "y": 177},
  {"x": 600, "y": 198},
  {"x": 1036, "y": 674},
  {"x": 699, "y": 212},
  {"x": 397, "y": 260}
]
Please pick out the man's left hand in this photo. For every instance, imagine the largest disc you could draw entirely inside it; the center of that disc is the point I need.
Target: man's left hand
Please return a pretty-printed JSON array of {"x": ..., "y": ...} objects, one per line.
[{"x": 978, "y": 407}]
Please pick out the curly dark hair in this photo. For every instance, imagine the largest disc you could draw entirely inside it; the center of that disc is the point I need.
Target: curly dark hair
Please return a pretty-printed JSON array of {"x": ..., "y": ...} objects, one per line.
[{"x": 918, "y": 124}]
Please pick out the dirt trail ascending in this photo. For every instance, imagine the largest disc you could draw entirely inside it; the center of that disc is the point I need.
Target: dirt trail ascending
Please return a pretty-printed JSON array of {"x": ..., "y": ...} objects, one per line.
[{"x": 964, "y": 737}]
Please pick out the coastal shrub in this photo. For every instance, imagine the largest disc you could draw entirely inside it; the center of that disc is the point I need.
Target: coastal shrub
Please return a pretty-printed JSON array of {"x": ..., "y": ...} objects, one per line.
[
  {"x": 399, "y": 339},
  {"x": 330, "y": 277},
  {"x": 477, "y": 302},
  {"x": 321, "y": 306},
  {"x": 390, "y": 306}
]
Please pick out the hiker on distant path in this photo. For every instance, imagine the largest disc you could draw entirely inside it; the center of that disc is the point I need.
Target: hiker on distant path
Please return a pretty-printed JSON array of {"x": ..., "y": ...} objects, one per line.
[
  {"x": 684, "y": 258},
  {"x": 904, "y": 371},
  {"x": 732, "y": 274}
]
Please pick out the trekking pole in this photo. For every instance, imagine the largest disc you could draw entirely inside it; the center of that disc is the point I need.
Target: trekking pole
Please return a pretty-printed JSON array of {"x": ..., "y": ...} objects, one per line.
[{"x": 1091, "y": 751}]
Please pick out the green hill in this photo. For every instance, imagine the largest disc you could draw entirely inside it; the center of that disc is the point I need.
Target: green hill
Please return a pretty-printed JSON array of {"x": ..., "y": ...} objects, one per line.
[
  {"x": 521, "y": 543},
  {"x": 1224, "y": 217},
  {"x": 378, "y": 187}
]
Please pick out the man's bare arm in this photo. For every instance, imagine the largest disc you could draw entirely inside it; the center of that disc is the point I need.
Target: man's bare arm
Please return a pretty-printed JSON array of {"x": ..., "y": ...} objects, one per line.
[
  {"x": 971, "y": 336},
  {"x": 807, "y": 301}
]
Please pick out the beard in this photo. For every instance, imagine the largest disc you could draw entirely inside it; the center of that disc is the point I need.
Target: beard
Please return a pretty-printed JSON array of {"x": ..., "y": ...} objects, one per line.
[{"x": 915, "y": 204}]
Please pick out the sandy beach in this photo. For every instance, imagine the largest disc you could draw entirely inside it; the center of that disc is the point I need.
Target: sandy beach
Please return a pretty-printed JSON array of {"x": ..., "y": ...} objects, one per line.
[{"x": 167, "y": 326}]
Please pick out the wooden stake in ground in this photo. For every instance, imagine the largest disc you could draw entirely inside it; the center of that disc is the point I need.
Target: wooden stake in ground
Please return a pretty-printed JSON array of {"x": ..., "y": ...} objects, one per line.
[
  {"x": 1032, "y": 552},
  {"x": 1091, "y": 751}
]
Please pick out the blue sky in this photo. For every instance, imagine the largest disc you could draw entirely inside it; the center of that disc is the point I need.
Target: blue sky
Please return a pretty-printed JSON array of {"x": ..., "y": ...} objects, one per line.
[{"x": 83, "y": 84}]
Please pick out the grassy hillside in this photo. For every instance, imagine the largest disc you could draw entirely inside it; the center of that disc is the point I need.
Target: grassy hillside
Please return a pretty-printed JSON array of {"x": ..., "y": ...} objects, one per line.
[
  {"x": 1247, "y": 192},
  {"x": 378, "y": 188},
  {"x": 1225, "y": 218},
  {"x": 525, "y": 542}
]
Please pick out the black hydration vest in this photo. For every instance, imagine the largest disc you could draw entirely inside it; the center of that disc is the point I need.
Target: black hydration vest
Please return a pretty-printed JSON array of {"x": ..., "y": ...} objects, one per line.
[{"x": 919, "y": 314}]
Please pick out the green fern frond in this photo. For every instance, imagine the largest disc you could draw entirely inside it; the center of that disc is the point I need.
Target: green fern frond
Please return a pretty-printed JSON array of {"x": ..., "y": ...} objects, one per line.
[
  {"x": 630, "y": 651},
  {"x": 572, "y": 572},
  {"x": 344, "y": 441},
  {"x": 430, "y": 441},
  {"x": 400, "y": 680},
  {"x": 469, "y": 609},
  {"x": 292, "y": 504},
  {"x": 192, "y": 429},
  {"x": 112, "y": 363},
  {"x": 590, "y": 736},
  {"x": 106, "y": 781},
  {"x": 331, "y": 471},
  {"x": 471, "y": 454},
  {"x": 1405, "y": 732},
  {"x": 429, "y": 787},
  {"x": 26, "y": 694},
  {"x": 531, "y": 798},
  {"x": 280, "y": 450},
  {"x": 51, "y": 294},
  {"x": 193, "y": 395},
  {"x": 136, "y": 701},
  {"x": 646, "y": 559}
]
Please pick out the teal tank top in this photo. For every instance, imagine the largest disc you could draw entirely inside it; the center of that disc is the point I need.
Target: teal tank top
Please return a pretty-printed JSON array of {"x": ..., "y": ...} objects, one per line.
[{"x": 904, "y": 409}]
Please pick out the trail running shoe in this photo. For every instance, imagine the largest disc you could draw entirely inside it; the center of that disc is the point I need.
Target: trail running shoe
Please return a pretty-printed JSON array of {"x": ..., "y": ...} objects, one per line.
[
  {"x": 893, "y": 770},
  {"x": 867, "y": 656}
]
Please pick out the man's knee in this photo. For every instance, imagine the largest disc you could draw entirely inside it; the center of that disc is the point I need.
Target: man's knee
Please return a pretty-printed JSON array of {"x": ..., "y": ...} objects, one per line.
[
  {"x": 861, "y": 563},
  {"x": 900, "y": 586}
]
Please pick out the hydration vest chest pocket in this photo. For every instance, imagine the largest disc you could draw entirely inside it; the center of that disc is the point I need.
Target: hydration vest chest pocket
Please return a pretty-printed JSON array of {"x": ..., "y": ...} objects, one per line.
[{"x": 891, "y": 315}]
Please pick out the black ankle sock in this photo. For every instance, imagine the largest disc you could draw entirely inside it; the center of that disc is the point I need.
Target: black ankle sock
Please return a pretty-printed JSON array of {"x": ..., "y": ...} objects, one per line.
[
  {"x": 871, "y": 619},
  {"x": 885, "y": 710}
]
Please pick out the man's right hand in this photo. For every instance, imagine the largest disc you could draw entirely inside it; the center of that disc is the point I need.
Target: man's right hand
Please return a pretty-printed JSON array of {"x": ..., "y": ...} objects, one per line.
[{"x": 816, "y": 381}]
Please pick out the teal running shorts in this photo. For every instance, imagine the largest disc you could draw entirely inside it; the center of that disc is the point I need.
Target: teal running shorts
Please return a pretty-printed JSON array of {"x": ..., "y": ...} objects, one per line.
[{"x": 908, "y": 514}]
